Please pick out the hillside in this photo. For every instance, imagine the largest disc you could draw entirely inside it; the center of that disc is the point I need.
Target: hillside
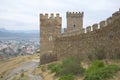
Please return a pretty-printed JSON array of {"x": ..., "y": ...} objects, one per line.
[
  {"x": 27, "y": 68},
  {"x": 12, "y": 34},
  {"x": 13, "y": 68},
  {"x": 51, "y": 74}
]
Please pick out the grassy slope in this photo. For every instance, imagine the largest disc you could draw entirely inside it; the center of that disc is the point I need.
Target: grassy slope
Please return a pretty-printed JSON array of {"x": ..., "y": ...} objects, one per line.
[
  {"x": 42, "y": 70},
  {"x": 7, "y": 66}
]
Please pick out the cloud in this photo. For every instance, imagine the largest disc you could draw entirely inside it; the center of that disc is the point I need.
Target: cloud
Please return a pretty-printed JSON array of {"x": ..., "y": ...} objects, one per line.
[{"x": 15, "y": 14}]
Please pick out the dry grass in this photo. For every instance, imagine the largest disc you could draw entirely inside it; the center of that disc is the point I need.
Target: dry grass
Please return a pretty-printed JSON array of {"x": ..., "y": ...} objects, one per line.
[
  {"x": 18, "y": 76},
  {"x": 116, "y": 77},
  {"x": 44, "y": 72},
  {"x": 47, "y": 75},
  {"x": 116, "y": 62},
  {"x": 7, "y": 66}
]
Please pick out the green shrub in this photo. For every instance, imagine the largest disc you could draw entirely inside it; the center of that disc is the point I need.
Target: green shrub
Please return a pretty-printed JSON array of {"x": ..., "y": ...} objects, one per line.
[
  {"x": 72, "y": 65},
  {"x": 43, "y": 68},
  {"x": 55, "y": 68},
  {"x": 23, "y": 78},
  {"x": 96, "y": 65},
  {"x": 69, "y": 65},
  {"x": 22, "y": 73},
  {"x": 98, "y": 54},
  {"x": 1, "y": 76},
  {"x": 97, "y": 71},
  {"x": 67, "y": 77},
  {"x": 50, "y": 66}
]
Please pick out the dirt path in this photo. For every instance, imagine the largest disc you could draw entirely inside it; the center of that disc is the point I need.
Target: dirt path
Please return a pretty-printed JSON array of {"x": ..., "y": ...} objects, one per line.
[{"x": 30, "y": 66}]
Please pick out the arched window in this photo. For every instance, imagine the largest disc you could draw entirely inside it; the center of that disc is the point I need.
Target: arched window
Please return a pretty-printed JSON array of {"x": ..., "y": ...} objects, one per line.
[{"x": 50, "y": 38}]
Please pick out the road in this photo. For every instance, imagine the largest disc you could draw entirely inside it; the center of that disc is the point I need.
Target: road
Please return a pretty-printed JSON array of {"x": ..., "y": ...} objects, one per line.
[{"x": 30, "y": 66}]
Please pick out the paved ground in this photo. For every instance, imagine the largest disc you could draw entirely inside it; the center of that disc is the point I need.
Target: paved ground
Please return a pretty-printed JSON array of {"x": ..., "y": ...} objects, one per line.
[{"x": 26, "y": 66}]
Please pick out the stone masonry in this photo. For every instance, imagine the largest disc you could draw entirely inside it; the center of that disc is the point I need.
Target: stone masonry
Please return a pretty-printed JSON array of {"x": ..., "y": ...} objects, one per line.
[
  {"x": 75, "y": 41},
  {"x": 50, "y": 27},
  {"x": 74, "y": 21}
]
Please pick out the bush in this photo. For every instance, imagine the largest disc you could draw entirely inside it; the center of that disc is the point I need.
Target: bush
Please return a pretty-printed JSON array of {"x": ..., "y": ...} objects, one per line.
[
  {"x": 67, "y": 77},
  {"x": 50, "y": 66},
  {"x": 55, "y": 68},
  {"x": 1, "y": 76},
  {"x": 96, "y": 65},
  {"x": 99, "y": 54},
  {"x": 43, "y": 68},
  {"x": 22, "y": 73},
  {"x": 97, "y": 71},
  {"x": 72, "y": 65}
]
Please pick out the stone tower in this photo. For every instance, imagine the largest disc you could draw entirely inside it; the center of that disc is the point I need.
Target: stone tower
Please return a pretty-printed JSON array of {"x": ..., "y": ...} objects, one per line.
[
  {"x": 50, "y": 27},
  {"x": 74, "y": 21}
]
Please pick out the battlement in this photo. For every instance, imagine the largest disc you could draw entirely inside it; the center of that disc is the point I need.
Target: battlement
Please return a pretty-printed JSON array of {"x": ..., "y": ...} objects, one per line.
[
  {"x": 88, "y": 29},
  {"x": 103, "y": 23},
  {"x": 116, "y": 14},
  {"x": 51, "y": 16},
  {"x": 94, "y": 27},
  {"x": 77, "y": 40},
  {"x": 74, "y": 14}
]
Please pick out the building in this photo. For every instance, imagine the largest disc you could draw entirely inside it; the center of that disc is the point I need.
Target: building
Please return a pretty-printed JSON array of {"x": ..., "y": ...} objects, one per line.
[{"x": 55, "y": 45}]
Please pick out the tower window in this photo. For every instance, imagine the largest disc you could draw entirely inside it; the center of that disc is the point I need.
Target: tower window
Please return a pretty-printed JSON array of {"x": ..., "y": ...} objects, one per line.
[
  {"x": 50, "y": 38},
  {"x": 74, "y": 26}
]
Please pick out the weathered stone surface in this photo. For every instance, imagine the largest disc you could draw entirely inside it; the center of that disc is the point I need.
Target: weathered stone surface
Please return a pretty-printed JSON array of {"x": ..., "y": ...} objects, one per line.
[
  {"x": 54, "y": 46},
  {"x": 95, "y": 26},
  {"x": 83, "y": 44},
  {"x": 102, "y": 24},
  {"x": 88, "y": 29},
  {"x": 50, "y": 27},
  {"x": 74, "y": 21}
]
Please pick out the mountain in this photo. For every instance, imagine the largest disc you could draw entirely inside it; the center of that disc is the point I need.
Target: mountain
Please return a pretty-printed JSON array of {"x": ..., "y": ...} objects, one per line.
[
  {"x": 19, "y": 34},
  {"x": 3, "y": 30}
]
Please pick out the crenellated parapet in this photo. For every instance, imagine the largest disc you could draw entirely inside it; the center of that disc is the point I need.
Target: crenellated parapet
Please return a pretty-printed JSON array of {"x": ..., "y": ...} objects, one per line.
[
  {"x": 88, "y": 29},
  {"x": 83, "y": 30},
  {"x": 50, "y": 27},
  {"x": 76, "y": 39},
  {"x": 75, "y": 14},
  {"x": 109, "y": 20},
  {"x": 103, "y": 23},
  {"x": 74, "y": 21},
  {"x": 51, "y": 16},
  {"x": 94, "y": 27},
  {"x": 104, "y": 36},
  {"x": 116, "y": 14},
  {"x": 51, "y": 21}
]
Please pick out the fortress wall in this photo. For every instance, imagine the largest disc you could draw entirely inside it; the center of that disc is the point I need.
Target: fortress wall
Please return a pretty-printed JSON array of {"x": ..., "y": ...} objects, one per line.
[
  {"x": 74, "y": 21},
  {"x": 50, "y": 26},
  {"x": 81, "y": 44}
]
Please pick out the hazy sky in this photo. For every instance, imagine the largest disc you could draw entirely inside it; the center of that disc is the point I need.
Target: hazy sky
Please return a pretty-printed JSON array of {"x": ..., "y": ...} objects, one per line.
[{"x": 24, "y": 14}]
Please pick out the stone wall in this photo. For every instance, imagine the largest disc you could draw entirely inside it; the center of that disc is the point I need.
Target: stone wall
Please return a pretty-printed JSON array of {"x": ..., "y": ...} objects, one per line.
[
  {"x": 74, "y": 21},
  {"x": 50, "y": 27},
  {"x": 105, "y": 35},
  {"x": 55, "y": 45}
]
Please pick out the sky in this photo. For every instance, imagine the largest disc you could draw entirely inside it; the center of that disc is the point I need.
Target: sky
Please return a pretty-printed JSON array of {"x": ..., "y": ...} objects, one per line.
[{"x": 24, "y": 14}]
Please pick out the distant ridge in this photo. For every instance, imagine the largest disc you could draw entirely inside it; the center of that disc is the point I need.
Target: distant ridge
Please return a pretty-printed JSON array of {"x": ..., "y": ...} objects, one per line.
[{"x": 19, "y": 34}]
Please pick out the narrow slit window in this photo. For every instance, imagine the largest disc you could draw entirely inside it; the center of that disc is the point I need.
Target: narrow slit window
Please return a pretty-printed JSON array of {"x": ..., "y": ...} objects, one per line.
[{"x": 74, "y": 26}]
